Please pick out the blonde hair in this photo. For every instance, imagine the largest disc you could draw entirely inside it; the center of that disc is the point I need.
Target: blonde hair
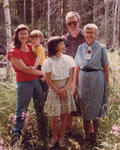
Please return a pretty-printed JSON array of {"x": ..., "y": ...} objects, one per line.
[
  {"x": 36, "y": 33},
  {"x": 72, "y": 14},
  {"x": 91, "y": 26}
]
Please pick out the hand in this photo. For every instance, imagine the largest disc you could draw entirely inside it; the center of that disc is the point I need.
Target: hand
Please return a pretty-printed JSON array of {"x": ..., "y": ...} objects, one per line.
[
  {"x": 63, "y": 93},
  {"x": 42, "y": 74},
  {"x": 108, "y": 91},
  {"x": 74, "y": 90},
  {"x": 43, "y": 79},
  {"x": 32, "y": 67}
]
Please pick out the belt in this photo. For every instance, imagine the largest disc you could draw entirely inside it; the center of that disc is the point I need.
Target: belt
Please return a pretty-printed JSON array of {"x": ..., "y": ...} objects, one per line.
[{"x": 89, "y": 70}]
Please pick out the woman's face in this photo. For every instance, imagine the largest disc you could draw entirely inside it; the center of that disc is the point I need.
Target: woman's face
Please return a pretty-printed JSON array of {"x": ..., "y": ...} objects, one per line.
[
  {"x": 73, "y": 24},
  {"x": 23, "y": 36},
  {"x": 60, "y": 48},
  {"x": 90, "y": 35}
]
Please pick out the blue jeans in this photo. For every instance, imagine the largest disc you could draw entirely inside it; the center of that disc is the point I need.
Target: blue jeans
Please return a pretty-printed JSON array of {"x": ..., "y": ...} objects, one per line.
[{"x": 26, "y": 91}]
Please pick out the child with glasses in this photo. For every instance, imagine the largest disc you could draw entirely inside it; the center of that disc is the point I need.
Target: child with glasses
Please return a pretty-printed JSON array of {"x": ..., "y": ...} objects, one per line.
[{"x": 60, "y": 102}]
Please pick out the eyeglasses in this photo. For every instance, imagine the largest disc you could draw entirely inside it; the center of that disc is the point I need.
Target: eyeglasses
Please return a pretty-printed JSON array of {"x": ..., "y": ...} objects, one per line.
[
  {"x": 90, "y": 32},
  {"x": 70, "y": 23}
]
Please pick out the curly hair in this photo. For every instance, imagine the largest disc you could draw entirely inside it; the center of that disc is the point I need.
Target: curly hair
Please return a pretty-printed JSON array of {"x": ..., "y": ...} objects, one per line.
[{"x": 16, "y": 40}]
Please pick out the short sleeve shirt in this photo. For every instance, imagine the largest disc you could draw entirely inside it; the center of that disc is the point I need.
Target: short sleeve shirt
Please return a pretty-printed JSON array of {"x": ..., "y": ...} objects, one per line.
[
  {"x": 71, "y": 44},
  {"x": 39, "y": 51},
  {"x": 58, "y": 66},
  {"x": 99, "y": 57},
  {"x": 28, "y": 58}
]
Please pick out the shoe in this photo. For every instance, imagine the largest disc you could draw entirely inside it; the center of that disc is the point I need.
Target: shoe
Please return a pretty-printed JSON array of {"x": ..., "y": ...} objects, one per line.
[
  {"x": 52, "y": 142},
  {"x": 15, "y": 142},
  {"x": 93, "y": 138},
  {"x": 16, "y": 135},
  {"x": 15, "y": 139},
  {"x": 62, "y": 143},
  {"x": 68, "y": 134}
]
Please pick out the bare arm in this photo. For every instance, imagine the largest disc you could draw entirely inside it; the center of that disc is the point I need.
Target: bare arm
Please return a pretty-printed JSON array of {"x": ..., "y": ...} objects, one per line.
[
  {"x": 106, "y": 71},
  {"x": 75, "y": 79},
  {"x": 20, "y": 65},
  {"x": 37, "y": 62},
  {"x": 50, "y": 83},
  {"x": 69, "y": 80},
  {"x": 63, "y": 91}
]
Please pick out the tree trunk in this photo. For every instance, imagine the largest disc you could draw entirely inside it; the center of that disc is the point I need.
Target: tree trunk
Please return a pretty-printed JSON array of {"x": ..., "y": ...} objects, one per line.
[
  {"x": 25, "y": 11},
  {"x": 63, "y": 14},
  {"x": 32, "y": 13},
  {"x": 118, "y": 24},
  {"x": 106, "y": 23},
  {"x": 8, "y": 30},
  {"x": 115, "y": 24},
  {"x": 95, "y": 11},
  {"x": 49, "y": 23}
]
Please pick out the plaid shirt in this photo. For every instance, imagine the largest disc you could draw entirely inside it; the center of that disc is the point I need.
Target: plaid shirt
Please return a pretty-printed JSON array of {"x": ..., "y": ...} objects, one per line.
[{"x": 71, "y": 44}]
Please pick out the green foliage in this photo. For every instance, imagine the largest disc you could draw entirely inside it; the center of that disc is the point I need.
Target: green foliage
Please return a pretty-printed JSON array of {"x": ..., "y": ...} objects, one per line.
[{"x": 108, "y": 139}]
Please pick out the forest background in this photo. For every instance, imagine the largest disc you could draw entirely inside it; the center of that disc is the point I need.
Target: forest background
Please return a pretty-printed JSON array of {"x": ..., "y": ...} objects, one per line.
[{"x": 49, "y": 17}]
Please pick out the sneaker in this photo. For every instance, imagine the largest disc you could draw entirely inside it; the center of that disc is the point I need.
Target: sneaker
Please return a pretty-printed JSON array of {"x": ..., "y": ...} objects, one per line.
[
  {"x": 93, "y": 138},
  {"x": 62, "y": 143},
  {"x": 68, "y": 134},
  {"x": 14, "y": 142},
  {"x": 15, "y": 139},
  {"x": 52, "y": 142}
]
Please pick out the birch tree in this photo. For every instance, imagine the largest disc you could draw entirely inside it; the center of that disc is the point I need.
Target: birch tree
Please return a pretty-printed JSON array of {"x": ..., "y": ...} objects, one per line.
[
  {"x": 106, "y": 35},
  {"x": 24, "y": 11},
  {"x": 118, "y": 24},
  {"x": 32, "y": 13},
  {"x": 115, "y": 23},
  {"x": 95, "y": 14},
  {"x": 63, "y": 13},
  {"x": 8, "y": 29},
  {"x": 49, "y": 23}
]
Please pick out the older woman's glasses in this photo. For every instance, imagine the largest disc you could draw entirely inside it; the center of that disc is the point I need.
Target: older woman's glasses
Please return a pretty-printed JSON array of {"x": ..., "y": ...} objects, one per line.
[
  {"x": 70, "y": 23},
  {"x": 89, "y": 32}
]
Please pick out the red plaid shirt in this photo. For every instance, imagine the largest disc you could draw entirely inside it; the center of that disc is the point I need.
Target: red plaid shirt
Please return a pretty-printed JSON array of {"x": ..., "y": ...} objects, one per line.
[{"x": 71, "y": 44}]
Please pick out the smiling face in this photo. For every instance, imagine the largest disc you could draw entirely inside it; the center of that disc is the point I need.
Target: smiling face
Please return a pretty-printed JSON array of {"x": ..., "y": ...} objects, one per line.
[
  {"x": 23, "y": 35},
  {"x": 90, "y": 35},
  {"x": 73, "y": 23},
  {"x": 60, "y": 48},
  {"x": 35, "y": 41}
]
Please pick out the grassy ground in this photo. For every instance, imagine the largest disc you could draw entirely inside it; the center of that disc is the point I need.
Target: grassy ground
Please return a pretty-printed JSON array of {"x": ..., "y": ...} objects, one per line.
[{"x": 109, "y": 131}]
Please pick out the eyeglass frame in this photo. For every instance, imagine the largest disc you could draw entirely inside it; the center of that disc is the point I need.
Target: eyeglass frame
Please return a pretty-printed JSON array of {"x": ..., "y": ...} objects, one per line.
[
  {"x": 89, "y": 32},
  {"x": 72, "y": 22}
]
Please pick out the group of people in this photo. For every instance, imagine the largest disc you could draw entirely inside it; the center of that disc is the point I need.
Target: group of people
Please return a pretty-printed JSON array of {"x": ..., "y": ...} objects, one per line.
[{"x": 75, "y": 61}]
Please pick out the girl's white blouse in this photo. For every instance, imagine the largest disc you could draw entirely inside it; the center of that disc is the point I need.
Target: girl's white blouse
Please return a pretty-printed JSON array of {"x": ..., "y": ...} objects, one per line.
[{"x": 59, "y": 67}]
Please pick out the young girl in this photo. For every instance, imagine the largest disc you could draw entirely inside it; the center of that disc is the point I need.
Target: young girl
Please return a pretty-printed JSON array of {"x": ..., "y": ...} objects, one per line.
[{"x": 60, "y": 102}]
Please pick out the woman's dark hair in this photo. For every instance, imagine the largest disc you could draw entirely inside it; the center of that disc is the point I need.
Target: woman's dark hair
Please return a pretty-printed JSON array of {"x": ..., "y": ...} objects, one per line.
[
  {"x": 16, "y": 41},
  {"x": 52, "y": 44}
]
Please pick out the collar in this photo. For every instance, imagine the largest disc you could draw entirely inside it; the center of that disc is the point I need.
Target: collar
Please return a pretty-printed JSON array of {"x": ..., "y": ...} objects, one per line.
[{"x": 80, "y": 34}]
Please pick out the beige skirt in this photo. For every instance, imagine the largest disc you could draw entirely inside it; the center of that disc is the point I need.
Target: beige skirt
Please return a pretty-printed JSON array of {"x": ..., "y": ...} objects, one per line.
[{"x": 54, "y": 105}]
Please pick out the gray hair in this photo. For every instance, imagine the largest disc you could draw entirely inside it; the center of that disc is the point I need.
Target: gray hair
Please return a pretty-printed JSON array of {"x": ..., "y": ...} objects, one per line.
[
  {"x": 91, "y": 26},
  {"x": 72, "y": 14}
]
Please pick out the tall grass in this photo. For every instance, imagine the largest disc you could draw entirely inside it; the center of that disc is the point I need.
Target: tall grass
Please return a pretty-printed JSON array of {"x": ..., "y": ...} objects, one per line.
[{"x": 109, "y": 134}]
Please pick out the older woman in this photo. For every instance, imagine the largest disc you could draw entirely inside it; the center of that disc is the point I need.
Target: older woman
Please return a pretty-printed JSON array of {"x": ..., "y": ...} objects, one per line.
[
  {"x": 92, "y": 78},
  {"x": 22, "y": 58}
]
